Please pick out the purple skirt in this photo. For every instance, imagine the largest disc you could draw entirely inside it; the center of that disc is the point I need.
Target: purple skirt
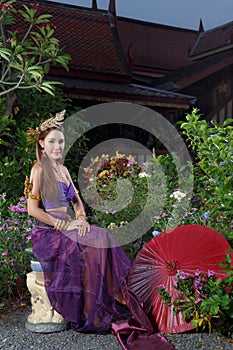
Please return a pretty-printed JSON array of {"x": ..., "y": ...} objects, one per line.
[{"x": 84, "y": 277}]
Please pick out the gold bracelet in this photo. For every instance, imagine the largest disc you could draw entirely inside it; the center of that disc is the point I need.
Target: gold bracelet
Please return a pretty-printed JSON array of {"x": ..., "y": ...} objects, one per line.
[
  {"x": 60, "y": 225},
  {"x": 34, "y": 196},
  {"x": 56, "y": 224},
  {"x": 80, "y": 213}
]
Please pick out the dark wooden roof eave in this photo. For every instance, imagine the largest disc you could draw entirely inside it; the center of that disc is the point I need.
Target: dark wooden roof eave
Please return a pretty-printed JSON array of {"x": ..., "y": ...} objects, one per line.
[
  {"x": 88, "y": 74},
  {"x": 99, "y": 96},
  {"x": 188, "y": 75},
  {"x": 118, "y": 91}
]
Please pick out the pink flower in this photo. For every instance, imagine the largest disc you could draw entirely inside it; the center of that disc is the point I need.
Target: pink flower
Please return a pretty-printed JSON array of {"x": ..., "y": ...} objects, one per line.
[
  {"x": 182, "y": 275},
  {"x": 131, "y": 161},
  {"x": 198, "y": 300},
  {"x": 211, "y": 273},
  {"x": 35, "y": 6},
  {"x": 5, "y": 253},
  {"x": 197, "y": 272},
  {"x": 29, "y": 237},
  {"x": 164, "y": 215},
  {"x": 53, "y": 26}
]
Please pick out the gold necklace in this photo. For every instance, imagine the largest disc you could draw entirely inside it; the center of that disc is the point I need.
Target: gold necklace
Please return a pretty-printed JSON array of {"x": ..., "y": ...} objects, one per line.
[{"x": 59, "y": 173}]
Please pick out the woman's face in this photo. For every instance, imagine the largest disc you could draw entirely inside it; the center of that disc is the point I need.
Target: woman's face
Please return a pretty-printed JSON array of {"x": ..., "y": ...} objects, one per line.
[{"x": 54, "y": 144}]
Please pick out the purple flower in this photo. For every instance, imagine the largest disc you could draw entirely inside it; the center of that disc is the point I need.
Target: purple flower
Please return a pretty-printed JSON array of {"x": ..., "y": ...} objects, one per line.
[
  {"x": 29, "y": 237},
  {"x": 198, "y": 284},
  {"x": 164, "y": 215},
  {"x": 182, "y": 275},
  {"x": 22, "y": 198},
  {"x": 155, "y": 233},
  {"x": 114, "y": 211},
  {"x": 211, "y": 273},
  {"x": 162, "y": 286},
  {"x": 1, "y": 228},
  {"x": 11, "y": 261}
]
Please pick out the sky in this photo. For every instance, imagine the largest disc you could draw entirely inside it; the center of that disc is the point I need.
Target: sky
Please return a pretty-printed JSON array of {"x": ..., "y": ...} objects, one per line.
[{"x": 178, "y": 13}]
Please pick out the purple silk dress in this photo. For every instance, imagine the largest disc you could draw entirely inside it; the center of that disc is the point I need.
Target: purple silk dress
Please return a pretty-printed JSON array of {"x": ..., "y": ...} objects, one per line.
[{"x": 83, "y": 277}]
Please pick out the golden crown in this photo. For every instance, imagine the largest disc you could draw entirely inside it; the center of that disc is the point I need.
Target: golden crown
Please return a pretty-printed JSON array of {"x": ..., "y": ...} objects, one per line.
[{"x": 53, "y": 122}]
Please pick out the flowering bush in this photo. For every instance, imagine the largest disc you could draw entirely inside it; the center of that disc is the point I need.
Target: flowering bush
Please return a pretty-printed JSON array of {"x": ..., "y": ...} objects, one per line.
[
  {"x": 213, "y": 147},
  {"x": 15, "y": 229},
  {"x": 204, "y": 299},
  {"x": 211, "y": 200},
  {"x": 120, "y": 187}
]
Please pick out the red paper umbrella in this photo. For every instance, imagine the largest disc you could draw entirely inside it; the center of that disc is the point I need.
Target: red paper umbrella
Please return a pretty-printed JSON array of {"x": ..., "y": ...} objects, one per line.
[{"x": 186, "y": 248}]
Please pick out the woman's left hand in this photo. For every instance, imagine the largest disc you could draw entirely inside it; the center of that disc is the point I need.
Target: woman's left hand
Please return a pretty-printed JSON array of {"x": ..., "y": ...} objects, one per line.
[{"x": 82, "y": 226}]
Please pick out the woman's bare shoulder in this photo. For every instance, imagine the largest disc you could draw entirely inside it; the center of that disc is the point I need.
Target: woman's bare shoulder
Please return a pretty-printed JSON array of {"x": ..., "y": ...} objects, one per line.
[
  {"x": 66, "y": 172},
  {"x": 36, "y": 170}
]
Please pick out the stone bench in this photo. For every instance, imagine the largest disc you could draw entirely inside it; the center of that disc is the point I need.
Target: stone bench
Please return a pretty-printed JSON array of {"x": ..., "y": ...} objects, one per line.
[{"x": 43, "y": 318}]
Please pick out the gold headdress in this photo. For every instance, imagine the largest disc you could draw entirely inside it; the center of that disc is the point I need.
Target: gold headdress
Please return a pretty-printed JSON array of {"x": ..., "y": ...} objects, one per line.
[{"x": 54, "y": 122}]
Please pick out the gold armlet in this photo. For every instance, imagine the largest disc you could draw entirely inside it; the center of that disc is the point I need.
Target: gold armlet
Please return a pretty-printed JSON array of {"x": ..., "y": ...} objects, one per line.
[
  {"x": 80, "y": 213},
  {"x": 27, "y": 187},
  {"x": 37, "y": 197}
]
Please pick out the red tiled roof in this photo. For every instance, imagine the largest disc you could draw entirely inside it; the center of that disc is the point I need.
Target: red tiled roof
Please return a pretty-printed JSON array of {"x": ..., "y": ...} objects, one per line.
[
  {"x": 214, "y": 40},
  {"x": 90, "y": 37},
  {"x": 99, "y": 69},
  {"x": 155, "y": 49}
]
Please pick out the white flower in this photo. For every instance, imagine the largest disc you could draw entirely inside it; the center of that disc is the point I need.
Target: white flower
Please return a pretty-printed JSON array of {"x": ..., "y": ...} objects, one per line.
[
  {"x": 178, "y": 195},
  {"x": 143, "y": 174},
  {"x": 112, "y": 225}
]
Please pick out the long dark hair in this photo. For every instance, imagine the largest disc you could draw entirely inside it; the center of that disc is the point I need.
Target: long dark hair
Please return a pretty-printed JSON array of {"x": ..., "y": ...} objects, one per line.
[{"x": 49, "y": 186}]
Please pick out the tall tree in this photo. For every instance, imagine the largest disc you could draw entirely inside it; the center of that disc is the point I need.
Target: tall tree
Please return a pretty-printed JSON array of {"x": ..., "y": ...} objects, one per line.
[{"x": 27, "y": 54}]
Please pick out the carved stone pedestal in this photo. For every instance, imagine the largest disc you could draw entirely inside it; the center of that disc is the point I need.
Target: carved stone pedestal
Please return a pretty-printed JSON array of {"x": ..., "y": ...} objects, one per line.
[{"x": 43, "y": 319}]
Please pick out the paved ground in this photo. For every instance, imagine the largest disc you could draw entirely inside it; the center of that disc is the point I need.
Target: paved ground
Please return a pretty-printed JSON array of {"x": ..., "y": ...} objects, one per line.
[{"x": 13, "y": 335}]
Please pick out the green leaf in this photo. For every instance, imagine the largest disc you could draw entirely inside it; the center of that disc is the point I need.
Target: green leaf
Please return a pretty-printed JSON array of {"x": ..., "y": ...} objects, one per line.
[{"x": 46, "y": 89}]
